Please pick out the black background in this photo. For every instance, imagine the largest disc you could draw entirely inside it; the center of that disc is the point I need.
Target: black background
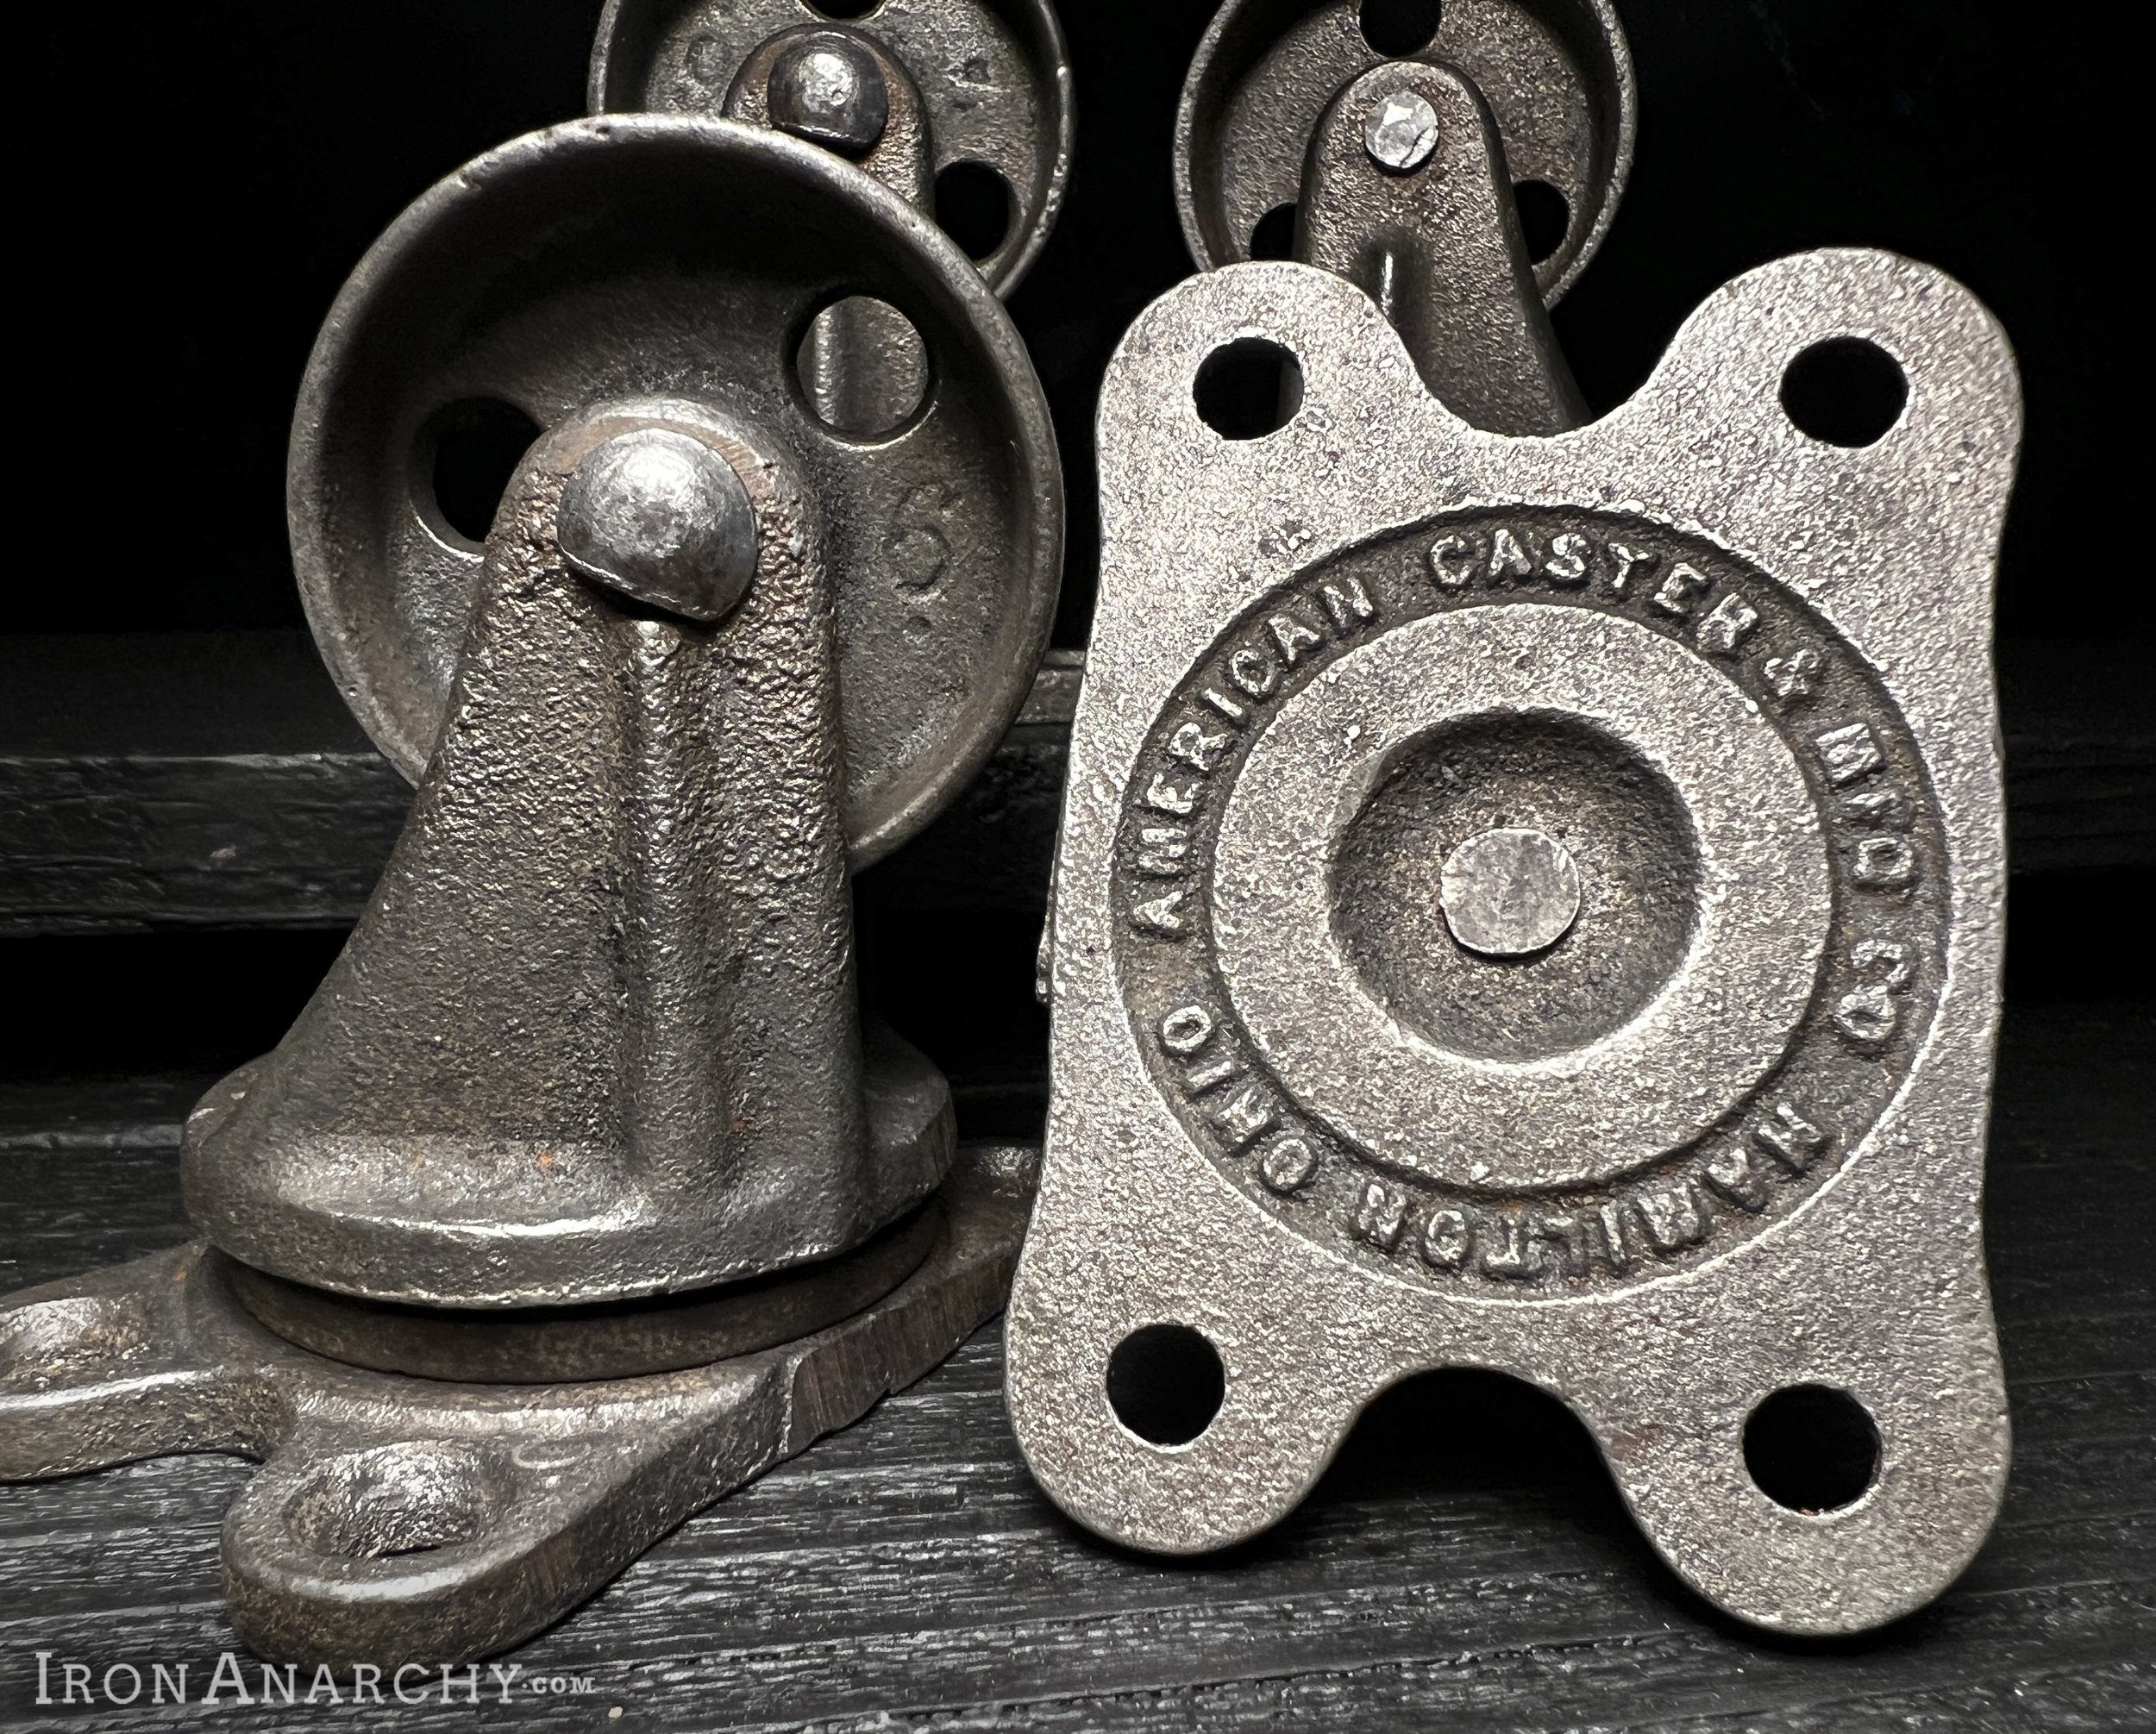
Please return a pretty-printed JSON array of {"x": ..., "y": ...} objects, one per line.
[{"x": 192, "y": 182}]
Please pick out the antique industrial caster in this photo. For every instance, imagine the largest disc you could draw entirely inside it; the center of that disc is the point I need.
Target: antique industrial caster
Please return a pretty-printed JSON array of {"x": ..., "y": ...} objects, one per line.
[
  {"x": 579, "y": 1194},
  {"x": 1530, "y": 894},
  {"x": 964, "y": 106}
]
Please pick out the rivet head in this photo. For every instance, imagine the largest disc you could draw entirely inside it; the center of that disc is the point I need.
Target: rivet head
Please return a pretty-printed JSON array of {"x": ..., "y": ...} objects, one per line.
[
  {"x": 1399, "y": 132},
  {"x": 1507, "y": 893},
  {"x": 662, "y": 518},
  {"x": 827, "y": 89}
]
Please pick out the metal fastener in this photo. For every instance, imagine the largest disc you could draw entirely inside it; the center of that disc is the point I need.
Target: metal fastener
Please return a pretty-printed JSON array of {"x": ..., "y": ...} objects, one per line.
[
  {"x": 1399, "y": 132},
  {"x": 827, "y": 89},
  {"x": 661, "y": 518}
]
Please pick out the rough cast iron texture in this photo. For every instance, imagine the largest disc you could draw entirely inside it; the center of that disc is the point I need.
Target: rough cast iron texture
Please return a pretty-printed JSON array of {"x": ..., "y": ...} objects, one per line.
[
  {"x": 1464, "y": 1564},
  {"x": 1725, "y": 1136},
  {"x": 596, "y": 1038},
  {"x": 991, "y": 77},
  {"x": 597, "y": 1035},
  {"x": 1556, "y": 72},
  {"x": 1437, "y": 245},
  {"x": 398, "y": 1517}
]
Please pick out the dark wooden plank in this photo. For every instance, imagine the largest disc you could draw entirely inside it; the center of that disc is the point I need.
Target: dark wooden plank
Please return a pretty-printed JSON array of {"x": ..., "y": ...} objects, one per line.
[
  {"x": 215, "y": 780},
  {"x": 1466, "y": 1564}
]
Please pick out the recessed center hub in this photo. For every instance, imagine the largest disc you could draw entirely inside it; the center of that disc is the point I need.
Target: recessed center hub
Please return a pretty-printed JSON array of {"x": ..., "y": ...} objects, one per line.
[{"x": 1507, "y": 894}]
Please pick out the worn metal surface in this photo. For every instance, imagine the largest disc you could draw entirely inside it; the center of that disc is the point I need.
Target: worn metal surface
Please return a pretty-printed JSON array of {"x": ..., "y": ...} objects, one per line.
[
  {"x": 398, "y": 1518},
  {"x": 597, "y": 1035},
  {"x": 223, "y": 787},
  {"x": 1556, "y": 72},
  {"x": 1725, "y": 1135},
  {"x": 596, "y": 1038},
  {"x": 1465, "y": 1564},
  {"x": 993, "y": 78},
  {"x": 1435, "y": 242},
  {"x": 642, "y": 255}
]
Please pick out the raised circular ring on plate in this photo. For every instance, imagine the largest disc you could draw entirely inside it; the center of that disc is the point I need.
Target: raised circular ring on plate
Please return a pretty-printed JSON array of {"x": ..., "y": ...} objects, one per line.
[
  {"x": 1577, "y": 1117},
  {"x": 1556, "y": 75},
  {"x": 1728, "y": 995},
  {"x": 649, "y": 255},
  {"x": 993, "y": 75}
]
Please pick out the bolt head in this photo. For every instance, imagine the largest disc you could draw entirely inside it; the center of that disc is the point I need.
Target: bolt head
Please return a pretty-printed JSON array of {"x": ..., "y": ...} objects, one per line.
[
  {"x": 827, "y": 89},
  {"x": 1510, "y": 892},
  {"x": 661, "y": 518},
  {"x": 1400, "y": 132}
]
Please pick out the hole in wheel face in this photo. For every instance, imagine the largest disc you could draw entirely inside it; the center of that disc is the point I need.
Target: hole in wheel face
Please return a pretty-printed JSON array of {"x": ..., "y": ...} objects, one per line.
[
  {"x": 470, "y": 452},
  {"x": 1248, "y": 389},
  {"x": 1274, "y": 236},
  {"x": 1399, "y": 28},
  {"x": 1812, "y": 1448},
  {"x": 395, "y": 1501},
  {"x": 844, "y": 9},
  {"x": 1166, "y": 1383},
  {"x": 973, "y": 207},
  {"x": 1545, "y": 217},
  {"x": 1846, "y": 391},
  {"x": 862, "y": 368}
]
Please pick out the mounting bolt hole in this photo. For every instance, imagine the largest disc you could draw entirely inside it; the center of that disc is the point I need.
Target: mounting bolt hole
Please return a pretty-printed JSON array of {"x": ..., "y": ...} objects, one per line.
[
  {"x": 1248, "y": 389},
  {"x": 1845, "y": 392},
  {"x": 471, "y": 452},
  {"x": 844, "y": 9},
  {"x": 1812, "y": 1448},
  {"x": 973, "y": 207},
  {"x": 395, "y": 1501},
  {"x": 1274, "y": 236},
  {"x": 1399, "y": 28},
  {"x": 1166, "y": 1384},
  {"x": 1545, "y": 217}
]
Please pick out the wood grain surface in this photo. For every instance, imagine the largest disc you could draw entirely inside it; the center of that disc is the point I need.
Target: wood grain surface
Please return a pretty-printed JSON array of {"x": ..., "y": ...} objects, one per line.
[
  {"x": 164, "y": 780},
  {"x": 1465, "y": 1564}
]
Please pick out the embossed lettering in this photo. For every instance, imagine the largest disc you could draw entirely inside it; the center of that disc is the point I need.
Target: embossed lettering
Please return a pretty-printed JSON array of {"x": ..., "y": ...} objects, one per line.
[
  {"x": 1794, "y": 679},
  {"x": 1567, "y": 563},
  {"x": 1509, "y": 1250},
  {"x": 1162, "y": 914},
  {"x": 1217, "y": 1070},
  {"x": 1683, "y": 588},
  {"x": 1674, "y": 1216},
  {"x": 1733, "y": 1174},
  {"x": 1886, "y": 808},
  {"x": 1226, "y": 706},
  {"x": 1616, "y": 1243},
  {"x": 1163, "y": 851},
  {"x": 1569, "y": 1234},
  {"x": 1293, "y": 636},
  {"x": 1253, "y": 671},
  {"x": 1508, "y": 559},
  {"x": 1451, "y": 560},
  {"x": 1348, "y": 603},
  {"x": 1446, "y": 1240},
  {"x": 1186, "y": 1029},
  {"x": 1243, "y": 1116},
  {"x": 1198, "y": 749},
  {"x": 1379, "y": 1213},
  {"x": 1883, "y": 861},
  {"x": 1789, "y": 1138},
  {"x": 1849, "y": 752},
  {"x": 1868, "y": 1014},
  {"x": 1621, "y": 579},
  {"x": 1165, "y": 798},
  {"x": 1287, "y": 1164},
  {"x": 1728, "y": 625}
]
